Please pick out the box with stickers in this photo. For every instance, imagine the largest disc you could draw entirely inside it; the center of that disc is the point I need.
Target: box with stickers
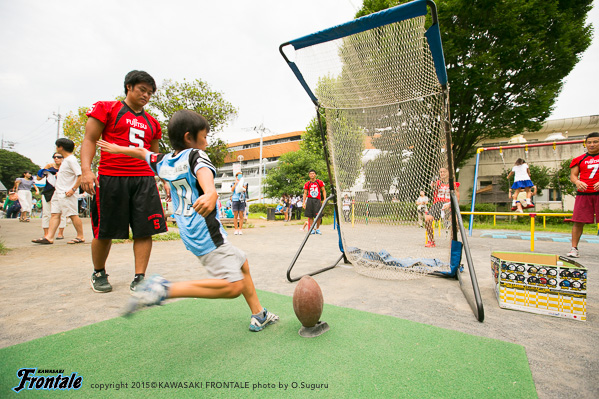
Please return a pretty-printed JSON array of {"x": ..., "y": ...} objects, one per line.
[{"x": 540, "y": 283}]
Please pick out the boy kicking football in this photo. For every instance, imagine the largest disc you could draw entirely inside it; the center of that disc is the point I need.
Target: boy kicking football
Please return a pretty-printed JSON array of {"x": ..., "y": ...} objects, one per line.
[{"x": 191, "y": 176}]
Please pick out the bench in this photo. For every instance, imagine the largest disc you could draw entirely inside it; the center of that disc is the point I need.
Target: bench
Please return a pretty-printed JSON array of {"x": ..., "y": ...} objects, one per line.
[{"x": 229, "y": 222}]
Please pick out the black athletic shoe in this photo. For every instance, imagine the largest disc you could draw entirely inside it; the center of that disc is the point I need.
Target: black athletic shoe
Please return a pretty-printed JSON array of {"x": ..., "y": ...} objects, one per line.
[
  {"x": 99, "y": 282},
  {"x": 135, "y": 282}
]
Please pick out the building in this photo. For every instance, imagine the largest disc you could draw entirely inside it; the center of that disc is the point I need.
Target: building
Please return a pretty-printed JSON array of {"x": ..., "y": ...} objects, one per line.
[
  {"x": 246, "y": 155},
  {"x": 492, "y": 163}
]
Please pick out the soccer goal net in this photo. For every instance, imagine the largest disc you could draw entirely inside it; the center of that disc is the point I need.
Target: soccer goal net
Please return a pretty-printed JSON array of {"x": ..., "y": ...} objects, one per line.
[{"x": 381, "y": 83}]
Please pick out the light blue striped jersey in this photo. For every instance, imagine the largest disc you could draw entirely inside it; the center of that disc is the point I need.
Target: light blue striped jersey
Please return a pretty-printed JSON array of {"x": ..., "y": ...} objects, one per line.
[{"x": 200, "y": 235}]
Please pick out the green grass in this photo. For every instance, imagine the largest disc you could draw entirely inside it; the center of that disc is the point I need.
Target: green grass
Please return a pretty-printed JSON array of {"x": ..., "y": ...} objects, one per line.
[{"x": 3, "y": 249}]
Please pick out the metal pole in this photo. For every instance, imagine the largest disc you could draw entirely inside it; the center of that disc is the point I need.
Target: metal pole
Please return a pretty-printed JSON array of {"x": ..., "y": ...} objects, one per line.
[
  {"x": 474, "y": 191},
  {"x": 260, "y": 168}
]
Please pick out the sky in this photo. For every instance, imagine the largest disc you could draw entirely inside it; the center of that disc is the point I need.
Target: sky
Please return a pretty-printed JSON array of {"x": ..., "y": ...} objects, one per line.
[{"x": 60, "y": 55}]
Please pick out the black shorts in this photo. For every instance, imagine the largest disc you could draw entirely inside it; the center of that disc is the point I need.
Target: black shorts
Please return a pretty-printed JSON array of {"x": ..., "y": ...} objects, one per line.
[
  {"x": 312, "y": 207},
  {"x": 123, "y": 201},
  {"x": 238, "y": 206},
  {"x": 435, "y": 210}
]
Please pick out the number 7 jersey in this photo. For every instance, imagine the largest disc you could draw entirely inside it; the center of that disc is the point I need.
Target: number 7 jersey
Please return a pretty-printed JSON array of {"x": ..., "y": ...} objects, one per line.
[
  {"x": 589, "y": 171},
  {"x": 126, "y": 128},
  {"x": 200, "y": 235}
]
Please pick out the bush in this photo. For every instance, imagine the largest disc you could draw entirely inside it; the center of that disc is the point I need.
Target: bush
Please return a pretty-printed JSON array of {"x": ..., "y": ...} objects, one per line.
[
  {"x": 260, "y": 208},
  {"x": 479, "y": 208}
]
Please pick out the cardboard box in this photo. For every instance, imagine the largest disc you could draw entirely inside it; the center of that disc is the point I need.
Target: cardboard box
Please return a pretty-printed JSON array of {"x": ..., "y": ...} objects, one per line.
[{"x": 540, "y": 283}]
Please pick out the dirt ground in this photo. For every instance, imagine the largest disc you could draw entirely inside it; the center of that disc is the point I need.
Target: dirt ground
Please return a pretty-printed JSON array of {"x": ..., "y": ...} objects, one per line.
[{"x": 45, "y": 290}]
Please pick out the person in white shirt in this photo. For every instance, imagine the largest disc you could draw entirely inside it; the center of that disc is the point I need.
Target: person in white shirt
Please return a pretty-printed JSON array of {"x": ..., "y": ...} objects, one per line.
[
  {"x": 64, "y": 199},
  {"x": 422, "y": 207}
]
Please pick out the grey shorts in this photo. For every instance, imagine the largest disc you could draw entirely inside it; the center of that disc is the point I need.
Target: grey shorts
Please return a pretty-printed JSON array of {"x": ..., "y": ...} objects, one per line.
[{"x": 224, "y": 262}]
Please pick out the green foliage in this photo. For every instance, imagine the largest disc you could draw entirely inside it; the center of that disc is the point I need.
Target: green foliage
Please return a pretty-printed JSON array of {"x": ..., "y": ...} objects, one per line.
[
  {"x": 348, "y": 140},
  {"x": 479, "y": 208},
  {"x": 561, "y": 179},
  {"x": 260, "y": 208},
  {"x": 506, "y": 62},
  {"x": 197, "y": 96},
  {"x": 74, "y": 129},
  {"x": 311, "y": 140},
  {"x": 12, "y": 166},
  {"x": 292, "y": 173}
]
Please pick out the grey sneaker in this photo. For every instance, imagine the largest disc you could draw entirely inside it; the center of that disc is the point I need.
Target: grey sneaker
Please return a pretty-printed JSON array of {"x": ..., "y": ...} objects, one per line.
[
  {"x": 136, "y": 281},
  {"x": 99, "y": 282},
  {"x": 151, "y": 291},
  {"x": 573, "y": 253},
  {"x": 258, "y": 323}
]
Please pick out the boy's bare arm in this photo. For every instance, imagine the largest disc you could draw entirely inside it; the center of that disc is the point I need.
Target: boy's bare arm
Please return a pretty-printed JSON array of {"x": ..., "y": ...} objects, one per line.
[
  {"x": 135, "y": 152},
  {"x": 207, "y": 202}
]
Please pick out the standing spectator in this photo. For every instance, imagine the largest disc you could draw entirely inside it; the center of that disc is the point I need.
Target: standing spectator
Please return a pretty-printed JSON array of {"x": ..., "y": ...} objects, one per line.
[
  {"x": 125, "y": 193},
  {"x": 23, "y": 187},
  {"x": 441, "y": 207},
  {"x": 238, "y": 198},
  {"x": 64, "y": 200},
  {"x": 12, "y": 207},
  {"x": 298, "y": 206},
  {"x": 285, "y": 206},
  {"x": 313, "y": 191},
  {"x": 292, "y": 206},
  {"x": 421, "y": 207},
  {"x": 584, "y": 173},
  {"x": 49, "y": 171},
  {"x": 246, "y": 199},
  {"x": 346, "y": 208}
]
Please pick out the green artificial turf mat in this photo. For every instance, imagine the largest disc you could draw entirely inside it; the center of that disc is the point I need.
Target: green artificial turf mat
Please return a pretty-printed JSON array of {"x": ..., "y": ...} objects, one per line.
[{"x": 207, "y": 341}]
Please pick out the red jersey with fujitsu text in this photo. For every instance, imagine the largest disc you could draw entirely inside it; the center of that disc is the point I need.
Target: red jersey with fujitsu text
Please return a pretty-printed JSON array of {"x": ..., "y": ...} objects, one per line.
[
  {"x": 441, "y": 193},
  {"x": 313, "y": 188},
  {"x": 589, "y": 171},
  {"x": 124, "y": 127}
]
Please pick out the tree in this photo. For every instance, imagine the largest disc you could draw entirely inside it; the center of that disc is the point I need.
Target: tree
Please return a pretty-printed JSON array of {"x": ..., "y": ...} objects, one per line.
[
  {"x": 506, "y": 62},
  {"x": 73, "y": 128},
  {"x": 560, "y": 180},
  {"x": 12, "y": 165},
  {"x": 197, "y": 96},
  {"x": 292, "y": 173},
  {"x": 311, "y": 140}
]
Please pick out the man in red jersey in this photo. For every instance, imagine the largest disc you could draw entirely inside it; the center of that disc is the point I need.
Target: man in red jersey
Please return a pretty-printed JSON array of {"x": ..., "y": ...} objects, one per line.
[
  {"x": 584, "y": 173},
  {"x": 125, "y": 192},
  {"x": 441, "y": 207}
]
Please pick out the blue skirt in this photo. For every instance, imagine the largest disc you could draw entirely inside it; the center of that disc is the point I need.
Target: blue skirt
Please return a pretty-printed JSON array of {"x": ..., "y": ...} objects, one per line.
[{"x": 522, "y": 184}]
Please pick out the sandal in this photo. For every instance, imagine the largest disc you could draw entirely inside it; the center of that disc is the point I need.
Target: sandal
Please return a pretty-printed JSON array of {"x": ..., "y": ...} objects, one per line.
[
  {"x": 60, "y": 238},
  {"x": 76, "y": 241},
  {"x": 42, "y": 241}
]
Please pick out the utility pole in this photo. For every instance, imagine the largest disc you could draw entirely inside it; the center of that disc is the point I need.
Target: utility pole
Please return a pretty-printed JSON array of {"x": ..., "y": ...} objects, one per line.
[
  {"x": 6, "y": 144},
  {"x": 260, "y": 129},
  {"x": 57, "y": 117}
]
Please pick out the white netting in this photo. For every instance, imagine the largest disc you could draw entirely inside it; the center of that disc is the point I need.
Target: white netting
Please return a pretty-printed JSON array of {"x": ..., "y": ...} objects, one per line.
[{"x": 384, "y": 112}]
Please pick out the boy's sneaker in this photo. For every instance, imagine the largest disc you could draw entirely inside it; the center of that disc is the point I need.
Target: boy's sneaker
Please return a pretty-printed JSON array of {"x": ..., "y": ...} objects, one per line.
[
  {"x": 151, "y": 291},
  {"x": 136, "y": 281},
  {"x": 573, "y": 253},
  {"x": 257, "y": 323},
  {"x": 99, "y": 282},
  {"x": 318, "y": 231},
  {"x": 430, "y": 244}
]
